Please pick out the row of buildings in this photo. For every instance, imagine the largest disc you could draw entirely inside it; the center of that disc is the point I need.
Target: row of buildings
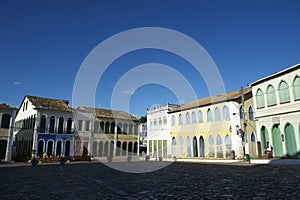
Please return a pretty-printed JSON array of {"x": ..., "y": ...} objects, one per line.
[{"x": 230, "y": 125}]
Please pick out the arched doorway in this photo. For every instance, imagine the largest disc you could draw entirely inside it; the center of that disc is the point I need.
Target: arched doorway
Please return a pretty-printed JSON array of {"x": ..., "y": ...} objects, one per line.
[
  {"x": 195, "y": 147},
  {"x": 264, "y": 138},
  {"x": 228, "y": 145},
  {"x": 174, "y": 146},
  {"x": 290, "y": 141},
  {"x": 211, "y": 146},
  {"x": 50, "y": 148},
  {"x": 129, "y": 147},
  {"x": 58, "y": 148},
  {"x": 40, "y": 148},
  {"x": 100, "y": 149},
  {"x": 135, "y": 147},
  {"x": 188, "y": 146},
  {"x": 201, "y": 145},
  {"x": 277, "y": 145},
  {"x": 253, "y": 144},
  {"x": 68, "y": 147},
  {"x": 124, "y": 148},
  {"x": 118, "y": 152},
  {"x": 219, "y": 147},
  {"x": 3, "y": 146},
  {"x": 105, "y": 149},
  {"x": 95, "y": 146},
  {"x": 111, "y": 148}
]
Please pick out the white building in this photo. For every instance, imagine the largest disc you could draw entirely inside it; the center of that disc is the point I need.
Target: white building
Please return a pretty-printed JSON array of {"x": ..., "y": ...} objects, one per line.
[
  {"x": 158, "y": 130},
  {"x": 42, "y": 126},
  {"x": 7, "y": 118},
  {"x": 277, "y": 104}
]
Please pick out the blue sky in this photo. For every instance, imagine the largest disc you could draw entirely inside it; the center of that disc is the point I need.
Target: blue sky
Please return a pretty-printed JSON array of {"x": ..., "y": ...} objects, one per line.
[{"x": 43, "y": 44}]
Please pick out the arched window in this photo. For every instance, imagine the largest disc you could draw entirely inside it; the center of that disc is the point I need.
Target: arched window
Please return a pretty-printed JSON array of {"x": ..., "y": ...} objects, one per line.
[
  {"x": 130, "y": 129},
  {"x": 296, "y": 87},
  {"x": 260, "y": 101},
  {"x": 228, "y": 144},
  {"x": 193, "y": 118},
  {"x": 61, "y": 125},
  {"x": 173, "y": 120},
  {"x": 159, "y": 121},
  {"x": 112, "y": 127},
  {"x": 180, "y": 119},
  {"x": 96, "y": 127},
  {"x": 271, "y": 95},
  {"x": 52, "y": 124},
  {"x": 251, "y": 116},
  {"x": 69, "y": 125},
  {"x": 43, "y": 124},
  {"x": 209, "y": 115},
  {"x": 5, "y": 121},
  {"x": 284, "y": 94},
  {"x": 241, "y": 112},
  {"x": 200, "y": 117},
  {"x": 226, "y": 113},
  {"x": 101, "y": 127},
  {"x": 217, "y": 114},
  {"x": 187, "y": 118}
]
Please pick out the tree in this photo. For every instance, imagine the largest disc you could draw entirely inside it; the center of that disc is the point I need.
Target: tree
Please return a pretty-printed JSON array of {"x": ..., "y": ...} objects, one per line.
[{"x": 143, "y": 119}]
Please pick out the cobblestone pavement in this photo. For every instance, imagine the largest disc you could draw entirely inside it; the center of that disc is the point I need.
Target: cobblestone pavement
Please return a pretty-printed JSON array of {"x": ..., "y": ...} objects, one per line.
[{"x": 176, "y": 181}]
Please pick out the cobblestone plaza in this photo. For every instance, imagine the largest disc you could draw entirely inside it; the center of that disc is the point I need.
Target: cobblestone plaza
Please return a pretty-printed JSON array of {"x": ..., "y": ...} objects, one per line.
[{"x": 175, "y": 181}]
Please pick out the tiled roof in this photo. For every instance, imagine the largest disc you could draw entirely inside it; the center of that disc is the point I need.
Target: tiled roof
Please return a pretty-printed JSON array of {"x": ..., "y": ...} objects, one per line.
[
  {"x": 6, "y": 107},
  {"x": 50, "y": 104},
  {"x": 104, "y": 113},
  {"x": 229, "y": 96}
]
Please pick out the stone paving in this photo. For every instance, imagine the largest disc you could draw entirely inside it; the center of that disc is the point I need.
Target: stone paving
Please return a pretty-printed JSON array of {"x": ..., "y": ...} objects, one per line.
[{"x": 175, "y": 181}]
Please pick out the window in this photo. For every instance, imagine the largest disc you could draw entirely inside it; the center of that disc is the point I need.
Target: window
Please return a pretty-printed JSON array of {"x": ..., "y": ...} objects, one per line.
[
  {"x": 241, "y": 112},
  {"x": 165, "y": 120},
  {"x": 217, "y": 114},
  {"x": 251, "y": 116},
  {"x": 296, "y": 87},
  {"x": 52, "y": 124},
  {"x": 173, "y": 120},
  {"x": 187, "y": 118},
  {"x": 260, "y": 101},
  {"x": 155, "y": 123},
  {"x": 87, "y": 125},
  {"x": 226, "y": 113},
  {"x": 159, "y": 121},
  {"x": 200, "y": 117},
  {"x": 193, "y": 118},
  {"x": 271, "y": 96},
  {"x": 5, "y": 121},
  {"x": 180, "y": 119},
  {"x": 209, "y": 115},
  {"x": 43, "y": 124},
  {"x": 69, "y": 125},
  {"x": 61, "y": 125},
  {"x": 284, "y": 94},
  {"x": 80, "y": 125}
]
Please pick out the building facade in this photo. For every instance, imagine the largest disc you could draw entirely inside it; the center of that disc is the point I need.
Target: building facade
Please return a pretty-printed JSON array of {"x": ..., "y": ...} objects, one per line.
[
  {"x": 277, "y": 105},
  {"x": 7, "y": 118},
  {"x": 158, "y": 131},
  {"x": 212, "y": 127},
  {"x": 44, "y": 127},
  {"x": 106, "y": 132}
]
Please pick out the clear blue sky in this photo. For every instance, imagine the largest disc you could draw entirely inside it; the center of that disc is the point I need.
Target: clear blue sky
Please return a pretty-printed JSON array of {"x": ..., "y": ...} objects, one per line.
[{"x": 43, "y": 44}]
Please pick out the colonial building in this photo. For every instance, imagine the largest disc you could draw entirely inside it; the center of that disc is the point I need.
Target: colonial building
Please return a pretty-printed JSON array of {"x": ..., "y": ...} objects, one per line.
[
  {"x": 212, "y": 127},
  {"x": 107, "y": 132},
  {"x": 158, "y": 131},
  {"x": 7, "y": 118},
  {"x": 44, "y": 126},
  {"x": 277, "y": 105}
]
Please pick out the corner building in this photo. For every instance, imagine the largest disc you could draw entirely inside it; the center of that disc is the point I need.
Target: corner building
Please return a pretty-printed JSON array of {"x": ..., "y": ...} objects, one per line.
[
  {"x": 277, "y": 105},
  {"x": 214, "y": 126}
]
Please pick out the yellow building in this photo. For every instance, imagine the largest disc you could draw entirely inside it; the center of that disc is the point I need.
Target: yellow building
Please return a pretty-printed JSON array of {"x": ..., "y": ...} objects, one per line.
[{"x": 214, "y": 126}]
